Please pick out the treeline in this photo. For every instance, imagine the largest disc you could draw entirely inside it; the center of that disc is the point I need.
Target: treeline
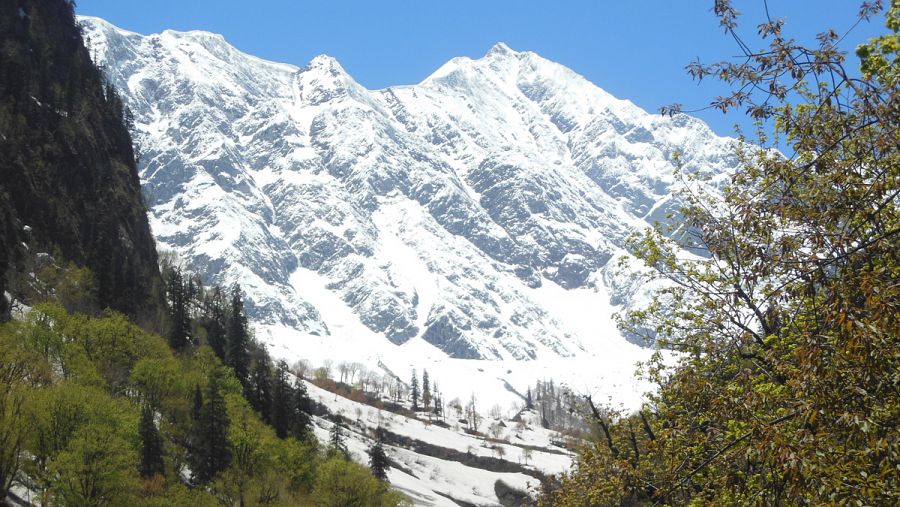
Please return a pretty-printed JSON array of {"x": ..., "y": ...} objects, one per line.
[
  {"x": 384, "y": 391},
  {"x": 96, "y": 411},
  {"x": 560, "y": 408}
]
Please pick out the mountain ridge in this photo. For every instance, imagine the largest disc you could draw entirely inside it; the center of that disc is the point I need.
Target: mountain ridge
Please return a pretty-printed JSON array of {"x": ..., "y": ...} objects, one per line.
[{"x": 517, "y": 172}]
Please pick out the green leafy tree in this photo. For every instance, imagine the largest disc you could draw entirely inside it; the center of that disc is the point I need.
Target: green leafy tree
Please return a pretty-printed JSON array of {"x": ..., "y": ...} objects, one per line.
[
  {"x": 343, "y": 483},
  {"x": 785, "y": 391},
  {"x": 94, "y": 470},
  {"x": 17, "y": 364}
]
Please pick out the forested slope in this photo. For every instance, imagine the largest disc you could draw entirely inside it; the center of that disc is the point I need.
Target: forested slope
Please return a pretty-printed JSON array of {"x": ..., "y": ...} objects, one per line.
[{"x": 68, "y": 183}]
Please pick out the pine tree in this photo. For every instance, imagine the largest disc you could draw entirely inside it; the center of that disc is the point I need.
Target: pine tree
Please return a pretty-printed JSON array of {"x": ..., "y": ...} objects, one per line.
[
  {"x": 259, "y": 386},
  {"x": 237, "y": 337},
  {"x": 529, "y": 403},
  {"x": 436, "y": 409},
  {"x": 282, "y": 401},
  {"x": 378, "y": 460},
  {"x": 213, "y": 451},
  {"x": 197, "y": 408},
  {"x": 415, "y": 391},
  {"x": 151, "y": 445},
  {"x": 426, "y": 390},
  {"x": 302, "y": 423},
  {"x": 179, "y": 334},
  {"x": 336, "y": 443},
  {"x": 215, "y": 322}
]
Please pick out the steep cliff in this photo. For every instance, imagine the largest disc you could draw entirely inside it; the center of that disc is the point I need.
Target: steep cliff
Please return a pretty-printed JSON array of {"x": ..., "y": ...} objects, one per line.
[{"x": 68, "y": 182}]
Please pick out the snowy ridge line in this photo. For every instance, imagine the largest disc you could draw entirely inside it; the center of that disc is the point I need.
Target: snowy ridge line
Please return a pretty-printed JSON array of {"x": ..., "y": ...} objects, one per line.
[{"x": 473, "y": 217}]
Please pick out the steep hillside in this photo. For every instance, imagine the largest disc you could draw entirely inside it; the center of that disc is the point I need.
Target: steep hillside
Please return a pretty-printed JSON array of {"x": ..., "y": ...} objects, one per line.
[{"x": 68, "y": 181}]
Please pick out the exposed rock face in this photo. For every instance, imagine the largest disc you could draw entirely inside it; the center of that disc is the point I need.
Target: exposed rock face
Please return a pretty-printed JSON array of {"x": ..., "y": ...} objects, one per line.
[{"x": 432, "y": 210}]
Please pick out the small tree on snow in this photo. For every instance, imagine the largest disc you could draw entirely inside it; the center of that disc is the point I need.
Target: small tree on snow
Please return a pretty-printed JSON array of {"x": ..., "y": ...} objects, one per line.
[
  {"x": 378, "y": 460},
  {"x": 336, "y": 444},
  {"x": 414, "y": 385}
]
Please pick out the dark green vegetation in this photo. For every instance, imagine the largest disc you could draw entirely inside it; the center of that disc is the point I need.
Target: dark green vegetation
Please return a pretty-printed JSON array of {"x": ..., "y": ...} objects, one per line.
[
  {"x": 787, "y": 390},
  {"x": 67, "y": 169},
  {"x": 96, "y": 410}
]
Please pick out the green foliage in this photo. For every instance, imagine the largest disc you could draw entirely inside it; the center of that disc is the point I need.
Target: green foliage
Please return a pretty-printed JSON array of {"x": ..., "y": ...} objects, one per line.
[
  {"x": 93, "y": 470},
  {"x": 95, "y": 410},
  {"x": 19, "y": 370},
  {"x": 786, "y": 387},
  {"x": 342, "y": 483},
  {"x": 73, "y": 287},
  {"x": 75, "y": 417}
]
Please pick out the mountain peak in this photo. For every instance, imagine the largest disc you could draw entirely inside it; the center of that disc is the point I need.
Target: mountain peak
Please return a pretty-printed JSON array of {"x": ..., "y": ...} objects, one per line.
[
  {"x": 327, "y": 63},
  {"x": 501, "y": 49}
]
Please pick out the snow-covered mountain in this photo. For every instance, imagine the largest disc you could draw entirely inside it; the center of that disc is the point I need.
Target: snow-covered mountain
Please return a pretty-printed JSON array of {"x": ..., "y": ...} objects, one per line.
[{"x": 475, "y": 215}]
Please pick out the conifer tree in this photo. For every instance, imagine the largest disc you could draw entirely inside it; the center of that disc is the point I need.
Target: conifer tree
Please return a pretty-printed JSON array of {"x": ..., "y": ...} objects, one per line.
[
  {"x": 238, "y": 337},
  {"x": 215, "y": 322},
  {"x": 213, "y": 451},
  {"x": 336, "y": 444},
  {"x": 378, "y": 460},
  {"x": 197, "y": 408},
  {"x": 415, "y": 391},
  {"x": 436, "y": 408},
  {"x": 529, "y": 403},
  {"x": 282, "y": 401},
  {"x": 179, "y": 333},
  {"x": 151, "y": 460},
  {"x": 259, "y": 386},
  {"x": 426, "y": 390},
  {"x": 302, "y": 423}
]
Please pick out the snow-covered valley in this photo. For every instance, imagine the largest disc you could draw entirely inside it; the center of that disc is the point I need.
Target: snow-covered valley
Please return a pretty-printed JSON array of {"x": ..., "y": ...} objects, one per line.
[{"x": 457, "y": 466}]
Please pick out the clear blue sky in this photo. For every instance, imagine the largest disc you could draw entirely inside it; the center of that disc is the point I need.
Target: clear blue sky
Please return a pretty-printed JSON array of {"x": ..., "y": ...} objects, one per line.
[{"x": 633, "y": 49}]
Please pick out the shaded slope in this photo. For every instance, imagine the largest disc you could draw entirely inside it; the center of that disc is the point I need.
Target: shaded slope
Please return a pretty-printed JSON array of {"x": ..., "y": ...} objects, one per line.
[{"x": 68, "y": 170}]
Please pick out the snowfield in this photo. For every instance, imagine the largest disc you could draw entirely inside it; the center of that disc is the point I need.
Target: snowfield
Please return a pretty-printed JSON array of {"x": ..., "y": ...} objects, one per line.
[{"x": 430, "y": 480}]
